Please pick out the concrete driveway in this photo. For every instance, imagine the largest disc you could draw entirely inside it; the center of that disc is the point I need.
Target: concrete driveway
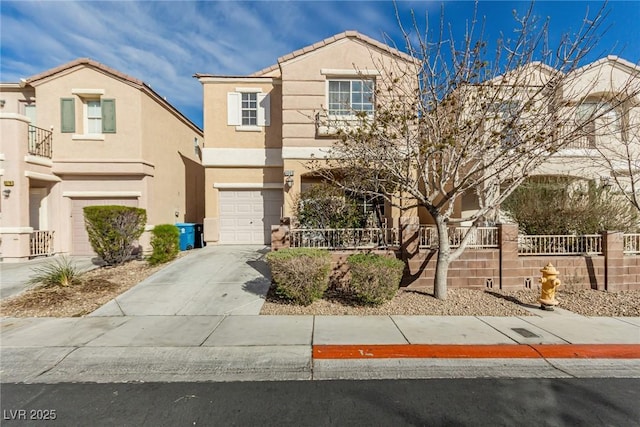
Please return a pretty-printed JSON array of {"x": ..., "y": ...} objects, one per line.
[{"x": 216, "y": 280}]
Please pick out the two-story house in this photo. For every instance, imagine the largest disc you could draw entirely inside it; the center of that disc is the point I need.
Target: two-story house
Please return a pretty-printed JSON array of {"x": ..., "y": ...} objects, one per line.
[
  {"x": 262, "y": 130},
  {"x": 85, "y": 134}
]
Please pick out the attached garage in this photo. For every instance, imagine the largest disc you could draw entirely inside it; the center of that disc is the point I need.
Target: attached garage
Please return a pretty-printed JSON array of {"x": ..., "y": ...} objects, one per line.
[
  {"x": 246, "y": 216},
  {"x": 79, "y": 239}
]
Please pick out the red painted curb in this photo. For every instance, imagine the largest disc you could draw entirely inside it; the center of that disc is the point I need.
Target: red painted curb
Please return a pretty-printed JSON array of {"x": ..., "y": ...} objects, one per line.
[{"x": 499, "y": 351}]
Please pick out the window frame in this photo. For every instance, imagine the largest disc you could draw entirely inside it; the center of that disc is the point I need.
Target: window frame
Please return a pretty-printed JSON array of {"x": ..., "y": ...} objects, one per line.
[
  {"x": 252, "y": 107},
  {"x": 349, "y": 111},
  {"x": 88, "y": 120}
]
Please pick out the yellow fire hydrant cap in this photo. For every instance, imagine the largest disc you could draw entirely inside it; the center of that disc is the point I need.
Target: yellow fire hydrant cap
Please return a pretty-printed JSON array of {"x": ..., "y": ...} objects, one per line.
[{"x": 550, "y": 270}]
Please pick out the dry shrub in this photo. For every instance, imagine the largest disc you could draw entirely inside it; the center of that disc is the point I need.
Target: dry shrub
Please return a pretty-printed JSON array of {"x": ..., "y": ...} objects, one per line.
[
  {"x": 374, "y": 278},
  {"x": 300, "y": 275}
]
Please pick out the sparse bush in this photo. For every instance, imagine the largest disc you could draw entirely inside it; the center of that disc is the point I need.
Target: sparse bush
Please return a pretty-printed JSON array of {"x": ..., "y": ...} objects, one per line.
[
  {"x": 113, "y": 230},
  {"x": 300, "y": 275},
  {"x": 165, "y": 241},
  {"x": 558, "y": 205},
  {"x": 59, "y": 272},
  {"x": 374, "y": 278}
]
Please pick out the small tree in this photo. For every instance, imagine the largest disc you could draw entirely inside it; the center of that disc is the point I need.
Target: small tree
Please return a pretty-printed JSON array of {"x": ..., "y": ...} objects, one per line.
[
  {"x": 113, "y": 230},
  {"x": 459, "y": 119}
]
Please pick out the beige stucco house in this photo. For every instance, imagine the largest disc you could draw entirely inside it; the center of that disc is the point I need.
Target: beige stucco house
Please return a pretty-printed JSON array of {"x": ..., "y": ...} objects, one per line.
[
  {"x": 262, "y": 130},
  {"x": 85, "y": 134}
]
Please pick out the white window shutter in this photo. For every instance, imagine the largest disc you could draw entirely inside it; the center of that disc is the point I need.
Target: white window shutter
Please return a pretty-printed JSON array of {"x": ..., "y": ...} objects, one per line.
[
  {"x": 264, "y": 109},
  {"x": 234, "y": 101}
]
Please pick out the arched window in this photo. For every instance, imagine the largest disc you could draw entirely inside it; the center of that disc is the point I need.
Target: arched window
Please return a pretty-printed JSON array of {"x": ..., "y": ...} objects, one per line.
[{"x": 598, "y": 115}]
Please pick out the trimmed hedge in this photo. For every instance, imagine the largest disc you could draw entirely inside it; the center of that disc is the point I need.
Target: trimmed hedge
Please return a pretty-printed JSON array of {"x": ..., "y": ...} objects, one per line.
[
  {"x": 300, "y": 275},
  {"x": 113, "y": 230},
  {"x": 165, "y": 241},
  {"x": 374, "y": 278}
]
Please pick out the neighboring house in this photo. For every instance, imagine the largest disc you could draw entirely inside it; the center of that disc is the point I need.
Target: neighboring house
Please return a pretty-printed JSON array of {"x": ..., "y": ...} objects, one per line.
[
  {"x": 85, "y": 134},
  {"x": 261, "y": 130},
  {"x": 609, "y": 91}
]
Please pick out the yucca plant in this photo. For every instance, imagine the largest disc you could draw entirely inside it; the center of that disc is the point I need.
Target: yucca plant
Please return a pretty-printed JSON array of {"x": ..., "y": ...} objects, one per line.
[{"x": 59, "y": 272}]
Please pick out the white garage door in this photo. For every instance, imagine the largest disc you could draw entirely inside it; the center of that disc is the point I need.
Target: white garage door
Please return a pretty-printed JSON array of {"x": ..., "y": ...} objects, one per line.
[
  {"x": 246, "y": 216},
  {"x": 79, "y": 239}
]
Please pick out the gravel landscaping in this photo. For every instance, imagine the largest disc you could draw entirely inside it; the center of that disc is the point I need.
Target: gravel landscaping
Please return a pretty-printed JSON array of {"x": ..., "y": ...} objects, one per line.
[
  {"x": 469, "y": 302},
  {"x": 101, "y": 285}
]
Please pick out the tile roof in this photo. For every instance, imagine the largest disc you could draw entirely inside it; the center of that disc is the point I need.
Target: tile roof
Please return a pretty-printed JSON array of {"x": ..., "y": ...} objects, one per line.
[{"x": 344, "y": 35}]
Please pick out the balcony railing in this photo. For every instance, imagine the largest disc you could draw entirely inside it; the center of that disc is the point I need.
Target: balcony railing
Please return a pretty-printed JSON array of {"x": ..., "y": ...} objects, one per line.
[
  {"x": 345, "y": 238},
  {"x": 579, "y": 138},
  {"x": 40, "y": 142},
  {"x": 481, "y": 237},
  {"x": 41, "y": 243}
]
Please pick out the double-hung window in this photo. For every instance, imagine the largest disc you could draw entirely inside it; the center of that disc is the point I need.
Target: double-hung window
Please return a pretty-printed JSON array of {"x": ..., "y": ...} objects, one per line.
[
  {"x": 93, "y": 117},
  {"x": 249, "y": 109},
  {"x": 350, "y": 97}
]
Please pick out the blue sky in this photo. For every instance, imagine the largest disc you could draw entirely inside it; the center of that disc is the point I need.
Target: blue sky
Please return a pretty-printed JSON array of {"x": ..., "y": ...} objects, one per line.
[{"x": 165, "y": 42}]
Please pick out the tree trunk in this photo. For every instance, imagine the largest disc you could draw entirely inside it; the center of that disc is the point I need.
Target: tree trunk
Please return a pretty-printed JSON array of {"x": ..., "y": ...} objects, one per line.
[{"x": 442, "y": 261}]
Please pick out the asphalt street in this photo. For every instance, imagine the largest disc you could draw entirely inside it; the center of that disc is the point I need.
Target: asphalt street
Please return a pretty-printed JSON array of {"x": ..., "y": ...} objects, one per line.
[{"x": 438, "y": 402}]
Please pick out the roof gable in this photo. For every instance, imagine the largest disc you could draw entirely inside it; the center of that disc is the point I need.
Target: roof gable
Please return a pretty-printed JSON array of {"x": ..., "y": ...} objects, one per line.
[
  {"x": 354, "y": 35},
  {"x": 132, "y": 81}
]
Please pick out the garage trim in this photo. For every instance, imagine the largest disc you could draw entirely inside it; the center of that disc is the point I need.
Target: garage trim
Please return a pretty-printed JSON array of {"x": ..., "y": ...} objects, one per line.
[{"x": 245, "y": 186}]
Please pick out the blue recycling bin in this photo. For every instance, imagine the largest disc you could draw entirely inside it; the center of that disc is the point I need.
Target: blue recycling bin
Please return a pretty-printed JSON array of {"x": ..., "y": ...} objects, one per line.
[{"x": 187, "y": 235}]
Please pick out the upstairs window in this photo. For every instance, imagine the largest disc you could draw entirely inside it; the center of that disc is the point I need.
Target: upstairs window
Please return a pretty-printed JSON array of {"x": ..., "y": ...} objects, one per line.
[
  {"x": 591, "y": 111},
  {"x": 348, "y": 97},
  {"x": 93, "y": 117},
  {"x": 506, "y": 116},
  {"x": 98, "y": 116},
  {"x": 249, "y": 109}
]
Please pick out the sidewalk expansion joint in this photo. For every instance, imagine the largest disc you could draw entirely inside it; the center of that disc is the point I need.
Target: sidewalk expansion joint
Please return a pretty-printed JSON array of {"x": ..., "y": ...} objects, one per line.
[{"x": 484, "y": 351}]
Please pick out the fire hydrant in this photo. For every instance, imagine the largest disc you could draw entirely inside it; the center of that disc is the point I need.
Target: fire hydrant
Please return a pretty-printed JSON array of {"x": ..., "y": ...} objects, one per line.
[{"x": 550, "y": 283}]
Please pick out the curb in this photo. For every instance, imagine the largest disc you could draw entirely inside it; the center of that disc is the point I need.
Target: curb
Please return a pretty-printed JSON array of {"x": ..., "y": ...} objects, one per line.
[{"x": 499, "y": 351}]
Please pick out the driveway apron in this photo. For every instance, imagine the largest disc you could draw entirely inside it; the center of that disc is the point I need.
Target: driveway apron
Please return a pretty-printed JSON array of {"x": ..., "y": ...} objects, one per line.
[{"x": 216, "y": 280}]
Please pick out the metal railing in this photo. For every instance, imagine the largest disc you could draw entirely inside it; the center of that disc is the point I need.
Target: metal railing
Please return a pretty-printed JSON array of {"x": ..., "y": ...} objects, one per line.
[
  {"x": 578, "y": 138},
  {"x": 41, "y": 243},
  {"x": 345, "y": 238},
  {"x": 481, "y": 237},
  {"x": 560, "y": 244},
  {"x": 40, "y": 141},
  {"x": 631, "y": 244}
]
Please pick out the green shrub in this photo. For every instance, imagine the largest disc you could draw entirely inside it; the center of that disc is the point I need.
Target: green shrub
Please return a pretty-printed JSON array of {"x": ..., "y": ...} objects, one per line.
[
  {"x": 327, "y": 206},
  {"x": 59, "y": 272},
  {"x": 374, "y": 278},
  {"x": 300, "y": 275},
  {"x": 113, "y": 230},
  {"x": 165, "y": 241}
]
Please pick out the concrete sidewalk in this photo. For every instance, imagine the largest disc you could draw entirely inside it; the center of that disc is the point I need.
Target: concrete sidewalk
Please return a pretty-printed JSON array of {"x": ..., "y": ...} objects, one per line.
[
  {"x": 251, "y": 347},
  {"x": 197, "y": 320}
]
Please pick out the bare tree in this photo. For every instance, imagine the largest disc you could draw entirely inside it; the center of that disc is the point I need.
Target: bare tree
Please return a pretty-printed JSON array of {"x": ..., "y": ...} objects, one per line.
[
  {"x": 618, "y": 160},
  {"x": 465, "y": 121}
]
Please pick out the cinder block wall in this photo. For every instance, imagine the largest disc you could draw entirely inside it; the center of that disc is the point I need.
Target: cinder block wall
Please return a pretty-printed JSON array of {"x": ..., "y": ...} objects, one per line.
[{"x": 501, "y": 268}]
